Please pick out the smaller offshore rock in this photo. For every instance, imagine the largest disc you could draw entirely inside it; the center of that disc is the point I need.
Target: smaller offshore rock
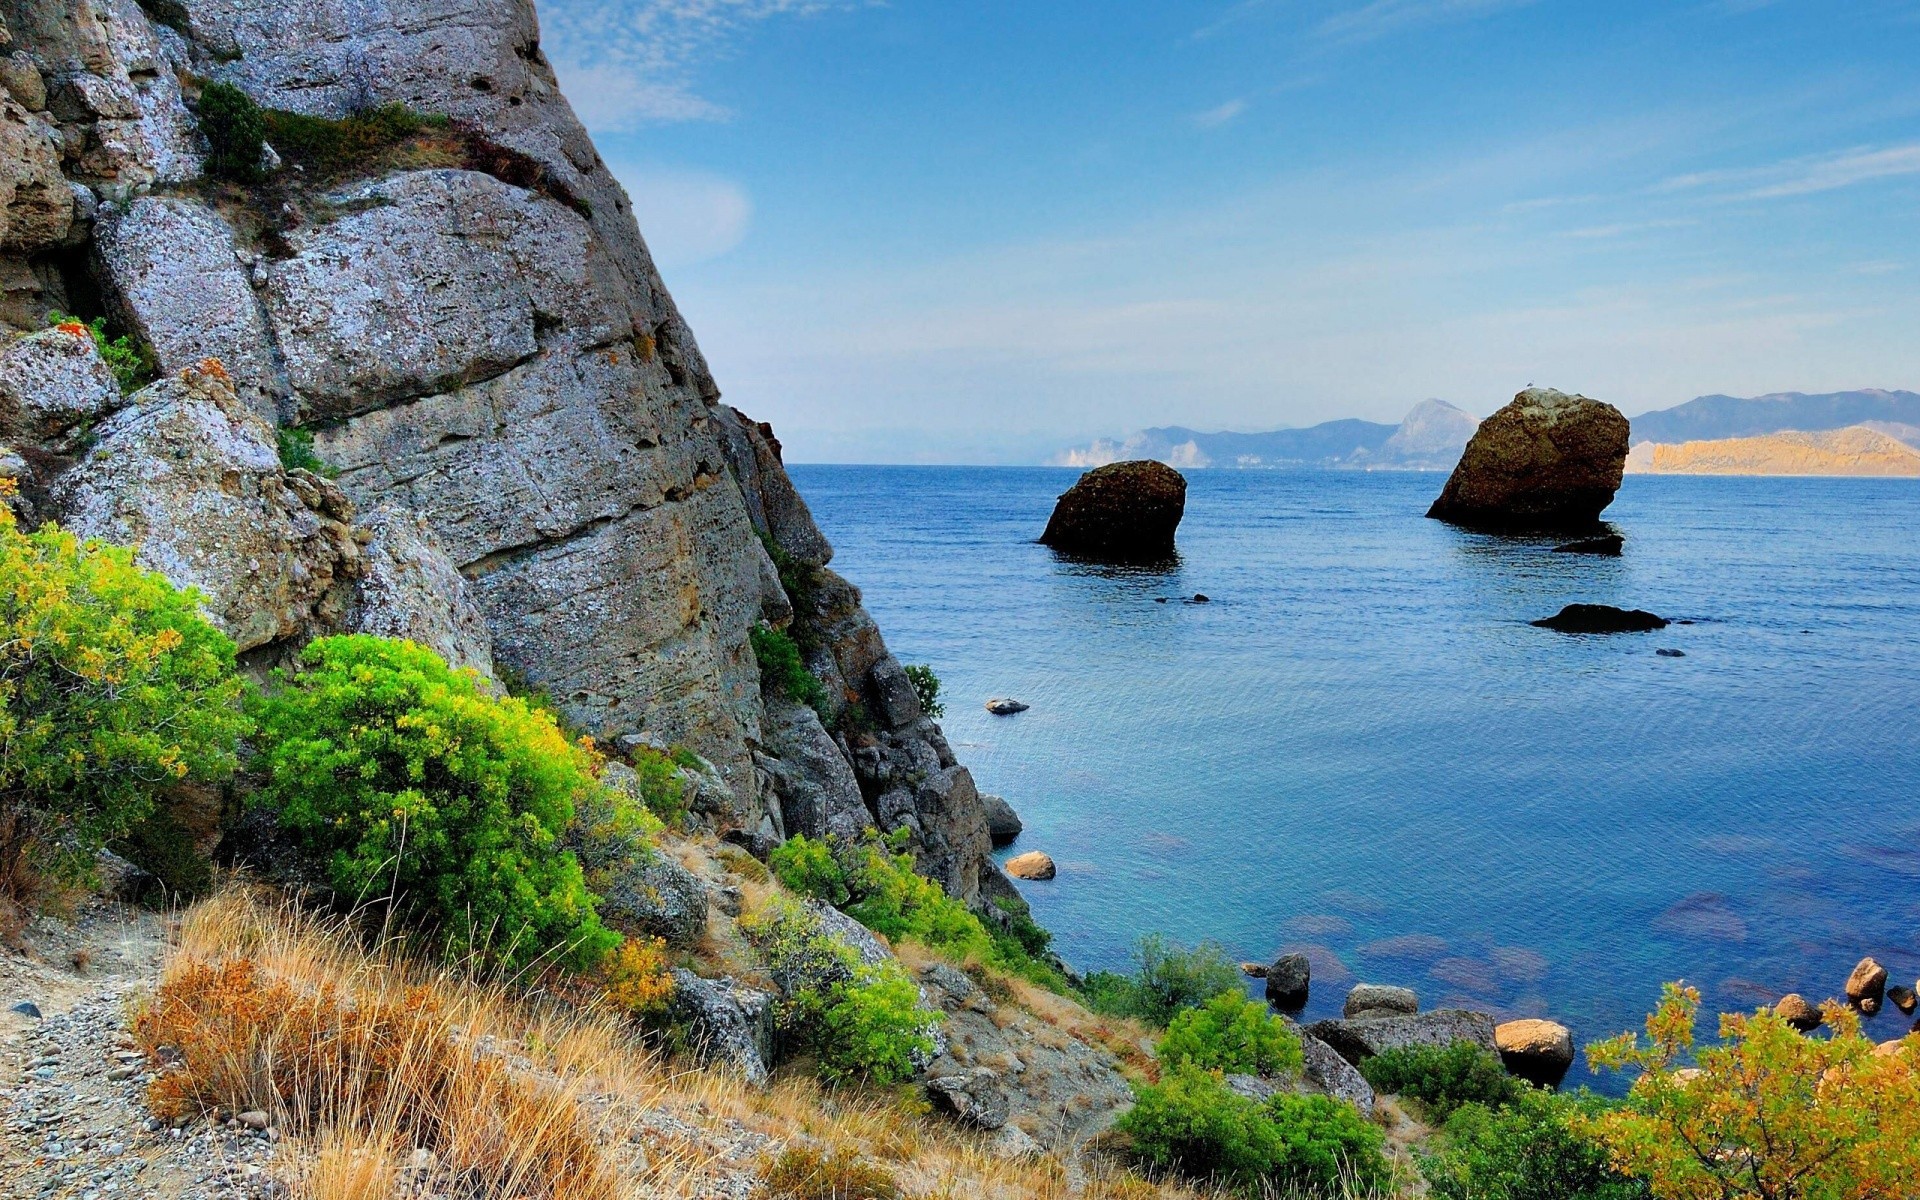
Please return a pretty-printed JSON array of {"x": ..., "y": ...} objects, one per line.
[
  {"x": 1547, "y": 461},
  {"x": 1034, "y": 864},
  {"x": 1288, "y": 981},
  {"x": 1609, "y": 545},
  {"x": 1602, "y": 618},
  {"x": 1798, "y": 1012},
  {"x": 1003, "y": 824},
  {"x": 1537, "y": 1051},
  {"x": 1867, "y": 986},
  {"x": 1125, "y": 511},
  {"x": 1380, "y": 1000},
  {"x": 1005, "y": 706}
]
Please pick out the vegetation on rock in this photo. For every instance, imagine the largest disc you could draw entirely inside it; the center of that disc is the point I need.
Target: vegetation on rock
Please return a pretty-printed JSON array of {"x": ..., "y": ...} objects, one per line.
[
  {"x": 402, "y": 778},
  {"x": 113, "y": 689},
  {"x": 130, "y": 363},
  {"x": 1442, "y": 1078},
  {"x": 296, "y": 452},
  {"x": 1234, "y": 1034},
  {"x": 926, "y": 687},
  {"x": 783, "y": 672},
  {"x": 1170, "y": 978},
  {"x": 236, "y": 132}
]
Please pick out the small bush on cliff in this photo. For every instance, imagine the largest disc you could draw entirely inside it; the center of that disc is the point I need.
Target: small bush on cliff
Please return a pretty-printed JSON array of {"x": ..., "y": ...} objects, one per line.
[
  {"x": 1233, "y": 1034},
  {"x": 130, "y": 363},
  {"x": 326, "y": 146},
  {"x": 926, "y": 686},
  {"x": 1528, "y": 1150},
  {"x": 1170, "y": 978},
  {"x": 783, "y": 672},
  {"x": 1442, "y": 1078},
  {"x": 236, "y": 132},
  {"x": 1193, "y": 1123},
  {"x": 661, "y": 789},
  {"x": 857, "y": 1020},
  {"x": 842, "y": 1173},
  {"x": 402, "y": 778},
  {"x": 296, "y": 452},
  {"x": 1767, "y": 1114},
  {"x": 113, "y": 689}
]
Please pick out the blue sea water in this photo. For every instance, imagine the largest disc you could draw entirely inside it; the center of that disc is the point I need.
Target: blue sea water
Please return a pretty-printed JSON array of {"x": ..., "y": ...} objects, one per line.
[{"x": 1360, "y": 747}]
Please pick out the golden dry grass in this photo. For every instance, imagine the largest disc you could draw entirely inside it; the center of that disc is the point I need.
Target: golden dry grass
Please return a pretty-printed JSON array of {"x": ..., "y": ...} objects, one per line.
[{"x": 362, "y": 1058}]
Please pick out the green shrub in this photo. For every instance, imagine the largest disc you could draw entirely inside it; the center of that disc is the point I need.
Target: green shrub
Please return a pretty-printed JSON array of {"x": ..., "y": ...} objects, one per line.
[
  {"x": 662, "y": 789},
  {"x": 1193, "y": 1123},
  {"x": 401, "y": 777},
  {"x": 296, "y": 452},
  {"x": 1170, "y": 978},
  {"x": 1526, "y": 1151},
  {"x": 325, "y": 146},
  {"x": 926, "y": 685},
  {"x": 801, "y": 582},
  {"x": 236, "y": 132},
  {"x": 782, "y": 670},
  {"x": 878, "y": 887},
  {"x": 130, "y": 363},
  {"x": 857, "y": 1020},
  {"x": 1234, "y": 1034},
  {"x": 1442, "y": 1078},
  {"x": 610, "y": 831},
  {"x": 113, "y": 689}
]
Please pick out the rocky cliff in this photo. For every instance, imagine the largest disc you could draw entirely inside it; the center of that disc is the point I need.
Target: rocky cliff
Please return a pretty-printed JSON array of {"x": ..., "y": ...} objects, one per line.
[{"x": 535, "y": 474}]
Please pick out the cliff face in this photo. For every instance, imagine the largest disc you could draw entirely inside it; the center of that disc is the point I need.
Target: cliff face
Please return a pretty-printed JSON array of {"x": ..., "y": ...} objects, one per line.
[
  {"x": 535, "y": 473},
  {"x": 1855, "y": 450}
]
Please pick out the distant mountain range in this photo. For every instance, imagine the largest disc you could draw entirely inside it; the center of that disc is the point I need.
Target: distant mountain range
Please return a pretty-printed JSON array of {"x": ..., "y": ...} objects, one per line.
[
  {"x": 1435, "y": 432},
  {"x": 1431, "y": 438},
  {"x": 1855, "y": 450}
]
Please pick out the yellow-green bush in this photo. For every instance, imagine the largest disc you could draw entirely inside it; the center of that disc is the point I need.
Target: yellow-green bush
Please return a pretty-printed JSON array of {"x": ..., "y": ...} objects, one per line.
[
  {"x": 1234, "y": 1034},
  {"x": 113, "y": 689}
]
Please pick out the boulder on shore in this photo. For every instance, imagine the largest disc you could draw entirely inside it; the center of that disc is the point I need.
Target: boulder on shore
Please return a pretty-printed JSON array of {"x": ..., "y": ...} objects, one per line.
[
  {"x": 1288, "y": 980},
  {"x": 1356, "y": 1040},
  {"x": 1602, "y": 618},
  {"x": 1547, "y": 461},
  {"x": 1537, "y": 1051},
  {"x": 1797, "y": 1011},
  {"x": 1125, "y": 511},
  {"x": 1380, "y": 1000},
  {"x": 1034, "y": 864}
]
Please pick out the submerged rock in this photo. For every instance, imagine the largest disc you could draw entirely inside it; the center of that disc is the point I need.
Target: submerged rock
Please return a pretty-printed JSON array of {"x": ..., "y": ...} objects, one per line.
[
  {"x": 1546, "y": 461},
  {"x": 1124, "y": 511},
  {"x": 1034, "y": 864},
  {"x": 1609, "y": 545},
  {"x": 1288, "y": 981},
  {"x": 1602, "y": 618},
  {"x": 1537, "y": 1051}
]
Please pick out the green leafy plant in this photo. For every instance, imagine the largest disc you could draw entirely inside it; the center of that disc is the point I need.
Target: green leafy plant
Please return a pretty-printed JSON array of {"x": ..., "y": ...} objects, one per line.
[
  {"x": 662, "y": 790},
  {"x": 1442, "y": 1078},
  {"x": 801, "y": 582},
  {"x": 1234, "y": 1034},
  {"x": 857, "y": 1020},
  {"x": 926, "y": 685},
  {"x": 1170, "y": 977},
  {"x": 296, "y": 452},
  {"x": 129, "y": 362},
  {"x": 782, "y": 670},
  {"x": 113, "y": 689},
  {"x": 332, "y": 146},
  {"x": 1193, "y": 1123},
  {"x": 402, "y": 777},
  {"x": 1528, "y": 1150},
  {"x": 236, "y": 132}
]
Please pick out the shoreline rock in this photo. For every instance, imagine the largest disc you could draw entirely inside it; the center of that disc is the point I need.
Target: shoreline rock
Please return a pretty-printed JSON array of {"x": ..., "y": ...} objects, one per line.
[
  {"x": 1537, "y": 1051},
  {"x": 1289, "y": 980}
]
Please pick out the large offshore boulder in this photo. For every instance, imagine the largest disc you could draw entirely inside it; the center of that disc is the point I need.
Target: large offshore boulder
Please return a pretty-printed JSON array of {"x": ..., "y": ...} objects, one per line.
[
  {"x": 191, "y": 478},
  {"x": 1547, "y": 461},
  {"x": 1125, "y": 511},
  {"x": 52, "y": 382}
]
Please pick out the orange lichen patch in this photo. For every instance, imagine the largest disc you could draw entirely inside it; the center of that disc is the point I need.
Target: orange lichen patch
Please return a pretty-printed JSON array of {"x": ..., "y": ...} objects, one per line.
[
  {"x": 211, "y": 368},
  {"x": 76, "y": 329}
]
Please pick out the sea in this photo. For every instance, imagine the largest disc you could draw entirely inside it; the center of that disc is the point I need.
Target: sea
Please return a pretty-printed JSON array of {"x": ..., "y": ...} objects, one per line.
[{"x": 1359, "y": 748}]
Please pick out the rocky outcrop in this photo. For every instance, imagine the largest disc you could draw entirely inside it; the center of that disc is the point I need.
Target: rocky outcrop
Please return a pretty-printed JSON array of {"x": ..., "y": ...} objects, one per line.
[
  {"x": 1124, "y": 511},
  {"x": 726, "y": 1023},
  {"x": 1379, "y": 1000},
  {"x": 1602, "y": 618},
  {"x": 658, "y": 897},
  {"x": 192, "y": 480},
  {"x": 1323, "y": 1067},
  {"x": 1535, "y": 1050},
  {"x": 1288, "y": 981},
  {"x": 1547, "y": 461},
  {"x": 1003, "y": 824},
  {"x": 408, "y": 588},
  {"x": 51, "y": 383},
  {"x": 1356, "y": 1040}
]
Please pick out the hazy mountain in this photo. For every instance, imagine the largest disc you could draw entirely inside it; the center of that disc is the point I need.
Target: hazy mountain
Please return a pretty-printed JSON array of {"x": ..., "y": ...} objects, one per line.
[
  {"x": 1431, "y": 438},
  {"x": 1711, "y": 418},
  {"x": 1855, "y": 450}
]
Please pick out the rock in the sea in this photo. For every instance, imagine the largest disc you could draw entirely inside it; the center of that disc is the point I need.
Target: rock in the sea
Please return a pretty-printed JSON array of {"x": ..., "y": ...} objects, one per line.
[
  {"x": 973, "y": 1097},
  {"x": 1546, "y": 461},
  {"x": 1867, "y": 986},
  {"x": 1003, "y": 824},
  {"x": 1034, "y": 864},
  {"x": 1005, "y": 706},
  {"x": 1253, "y": 970},
  {"x": 1902, "y": 998},
  {"x": 1537, "y": 1051},
  {"x": 1380, "y": 1000},
  {"x": 1124, "y": 511},
  {"x": 727, "y": 1023},
  {"x": 1368, "y": 1036},
  {"x": 1798, "y": 1012},
  {"x": 1609, "y": 545},
  {"x": 1288, "y": 980},
  {"x": 1669, "y": 652},
  {"x": 1602, "y": 618}
]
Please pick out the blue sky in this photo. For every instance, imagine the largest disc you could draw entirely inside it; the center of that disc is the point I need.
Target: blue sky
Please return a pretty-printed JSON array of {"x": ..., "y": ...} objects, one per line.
[{"x": 941, "y": 232}]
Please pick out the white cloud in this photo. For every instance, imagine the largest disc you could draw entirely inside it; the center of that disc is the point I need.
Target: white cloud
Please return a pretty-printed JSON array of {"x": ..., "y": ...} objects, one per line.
[
  {"x": 1213, "y": 118},
  {"x": 1385, "y": 17},
  {"x": 1805, "y": 176},
  {"x": 687, "y": 217},
  {"x": 628, "y": 63}
]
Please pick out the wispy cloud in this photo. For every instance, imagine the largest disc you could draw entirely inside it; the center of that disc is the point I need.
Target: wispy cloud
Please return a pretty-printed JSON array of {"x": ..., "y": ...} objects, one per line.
[
  {"x": 1805, "y": 176},
  {"x": 627, "y": 63},
  {"x": 1213, "y": 118},
  {"x": 1383, "y": 18}
]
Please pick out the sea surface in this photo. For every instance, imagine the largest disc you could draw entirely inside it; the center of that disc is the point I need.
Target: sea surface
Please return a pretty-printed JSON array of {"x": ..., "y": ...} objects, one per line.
[{"x": 1361, "y": 749}]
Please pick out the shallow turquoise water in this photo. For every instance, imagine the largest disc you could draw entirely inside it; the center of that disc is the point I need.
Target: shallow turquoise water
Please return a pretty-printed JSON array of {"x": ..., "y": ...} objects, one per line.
[{"x": 1360, "y": 746}]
